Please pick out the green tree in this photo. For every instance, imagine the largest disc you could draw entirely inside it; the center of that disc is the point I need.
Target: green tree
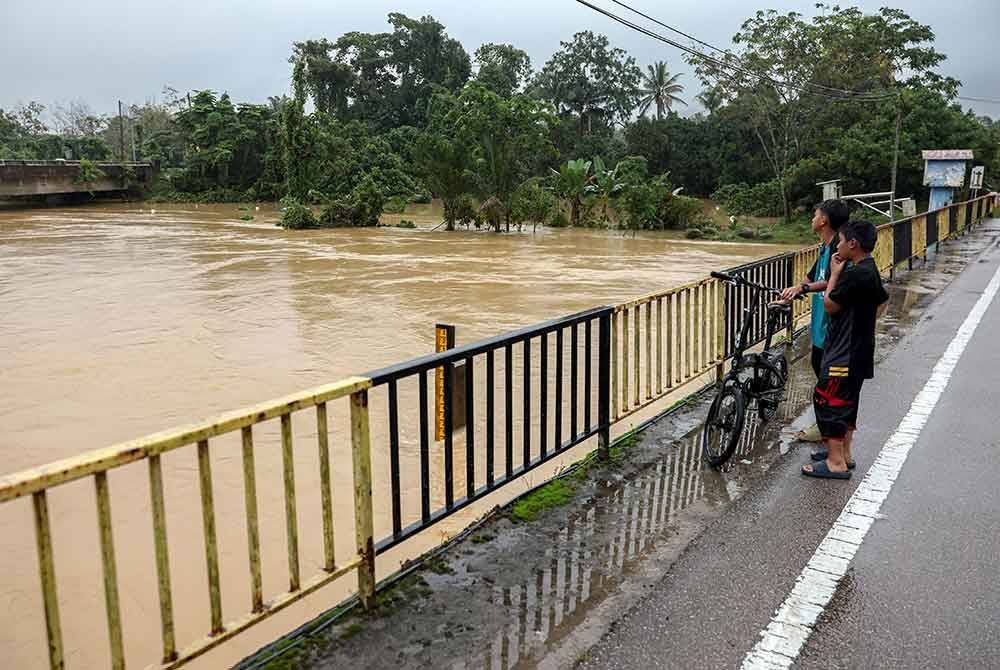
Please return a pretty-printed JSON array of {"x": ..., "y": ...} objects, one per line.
[
  {"x": 503, "y": 68},
  {"x": 841, "y": 48},
  {"x": 510, "y": 141},
  {"x": 296, "y": 137},
  {"x": 532, "y": 203},
  {"x": 445, "y": 158},
  {"x": 592, "y": 81},
  {"x": 384, "y": 78},
  {"x": 28, "y": 117},
  {"x": 328, "y": 81},
  {"x": 659, "y": 88}
]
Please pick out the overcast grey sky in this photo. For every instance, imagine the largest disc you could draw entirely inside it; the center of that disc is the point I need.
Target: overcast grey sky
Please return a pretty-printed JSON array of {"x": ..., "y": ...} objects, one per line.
[{"x": 100, "y": 51}]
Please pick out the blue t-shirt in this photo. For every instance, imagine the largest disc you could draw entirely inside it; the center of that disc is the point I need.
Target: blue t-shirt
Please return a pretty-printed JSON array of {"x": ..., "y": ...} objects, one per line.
[{"x": 820, "y": 272}]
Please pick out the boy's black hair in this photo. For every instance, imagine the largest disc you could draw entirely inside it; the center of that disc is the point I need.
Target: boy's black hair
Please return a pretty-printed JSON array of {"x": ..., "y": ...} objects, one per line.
[
  {"x": 836, "y": 212},
  {"x": 862, "y": 231}
]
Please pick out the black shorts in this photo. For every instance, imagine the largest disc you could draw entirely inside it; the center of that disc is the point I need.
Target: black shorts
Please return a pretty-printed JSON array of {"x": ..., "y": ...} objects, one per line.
[{"x": 835, "y": 400}]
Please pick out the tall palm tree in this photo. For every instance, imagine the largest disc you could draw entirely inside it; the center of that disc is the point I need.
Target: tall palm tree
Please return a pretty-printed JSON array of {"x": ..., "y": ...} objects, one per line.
[{"x": 660, "y": 88}]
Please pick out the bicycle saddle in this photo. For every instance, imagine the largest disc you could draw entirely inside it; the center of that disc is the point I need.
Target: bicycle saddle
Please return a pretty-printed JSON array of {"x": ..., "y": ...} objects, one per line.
[{"x": 779, "y": 307}]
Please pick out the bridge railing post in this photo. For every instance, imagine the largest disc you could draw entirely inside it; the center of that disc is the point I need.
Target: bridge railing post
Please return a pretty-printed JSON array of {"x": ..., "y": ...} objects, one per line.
[
  {"x": 363, "y": 517},
  {"x": 604, "y": 387}
]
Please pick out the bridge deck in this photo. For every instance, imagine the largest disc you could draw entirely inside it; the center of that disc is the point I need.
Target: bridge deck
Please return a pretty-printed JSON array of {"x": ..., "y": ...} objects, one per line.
[{"x": 20, "y": 178}]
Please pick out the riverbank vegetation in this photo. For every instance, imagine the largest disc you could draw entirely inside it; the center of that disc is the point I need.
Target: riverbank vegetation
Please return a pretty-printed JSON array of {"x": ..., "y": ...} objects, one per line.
[{"x": 376, "y": 121}]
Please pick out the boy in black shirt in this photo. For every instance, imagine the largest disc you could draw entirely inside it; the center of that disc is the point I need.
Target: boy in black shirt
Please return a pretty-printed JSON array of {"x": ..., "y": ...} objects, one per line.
[{"x": 854, "y": 299}]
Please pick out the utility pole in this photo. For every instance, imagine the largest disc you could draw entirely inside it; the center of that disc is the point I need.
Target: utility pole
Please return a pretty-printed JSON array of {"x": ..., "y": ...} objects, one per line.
[
  {"x": 895, "y": 158},
  {"x": 121, "y": 131},
  {"x": 131, "y": 127}
]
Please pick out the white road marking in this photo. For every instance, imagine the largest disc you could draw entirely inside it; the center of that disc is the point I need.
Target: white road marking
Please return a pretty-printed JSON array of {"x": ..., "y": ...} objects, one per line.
[{"x": 790, "y": 627}]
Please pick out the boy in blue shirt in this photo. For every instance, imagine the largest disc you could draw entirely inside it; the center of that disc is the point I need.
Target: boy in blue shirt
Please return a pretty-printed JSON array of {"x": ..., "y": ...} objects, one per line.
[{"x": 828, "y": 217}]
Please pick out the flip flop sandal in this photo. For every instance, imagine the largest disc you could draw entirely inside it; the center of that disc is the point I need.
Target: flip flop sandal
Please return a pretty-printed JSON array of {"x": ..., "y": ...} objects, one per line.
[
  {"x": 820, "y": 470},
  {"x": 821, "y": 456}
]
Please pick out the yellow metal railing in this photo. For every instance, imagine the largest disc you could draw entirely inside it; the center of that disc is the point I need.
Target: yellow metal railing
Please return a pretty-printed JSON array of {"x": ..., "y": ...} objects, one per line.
[
  {"x": 659, "y": 343},
  {"x": 803, "y": 262},
  {"x": 685, "y": 326},
  {"x": 38, "y": 481}
]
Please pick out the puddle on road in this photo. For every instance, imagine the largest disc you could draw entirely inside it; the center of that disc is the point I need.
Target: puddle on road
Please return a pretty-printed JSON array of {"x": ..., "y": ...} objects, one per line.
[{"x": 594, "y": 552}]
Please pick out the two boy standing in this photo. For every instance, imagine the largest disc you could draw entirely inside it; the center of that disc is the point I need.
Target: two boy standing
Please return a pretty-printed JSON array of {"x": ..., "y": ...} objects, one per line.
[{"x": 846, "y": 303}]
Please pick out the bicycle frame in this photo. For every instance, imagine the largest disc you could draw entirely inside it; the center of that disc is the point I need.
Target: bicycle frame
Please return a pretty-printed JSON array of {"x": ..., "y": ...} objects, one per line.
[{"x": 772, "y": 323}]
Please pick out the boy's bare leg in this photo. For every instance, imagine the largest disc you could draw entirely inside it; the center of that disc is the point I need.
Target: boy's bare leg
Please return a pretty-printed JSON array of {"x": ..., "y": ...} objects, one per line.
[
  {"x": 848, "y": 446},
  {"x": 835, "y": 459}
]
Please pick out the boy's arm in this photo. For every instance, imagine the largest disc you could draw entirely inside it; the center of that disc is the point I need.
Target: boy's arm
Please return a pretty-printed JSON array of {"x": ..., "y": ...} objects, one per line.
[
  {"x": 829, "y": 304},
  {"x": 793, "y": 292},
  {"x": 837, "y": 265}
]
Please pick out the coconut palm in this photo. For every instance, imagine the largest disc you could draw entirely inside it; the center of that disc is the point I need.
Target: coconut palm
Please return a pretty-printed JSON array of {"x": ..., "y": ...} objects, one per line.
[{"x": 659, "y": 88}]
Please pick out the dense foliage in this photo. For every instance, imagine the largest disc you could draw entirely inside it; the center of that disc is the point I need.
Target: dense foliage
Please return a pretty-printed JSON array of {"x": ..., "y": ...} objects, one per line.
[{"x": 379, "y": 120}]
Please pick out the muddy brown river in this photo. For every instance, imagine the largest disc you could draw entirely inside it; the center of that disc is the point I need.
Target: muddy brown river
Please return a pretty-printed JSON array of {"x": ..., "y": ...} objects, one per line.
[{"x": 121, "y": 320}]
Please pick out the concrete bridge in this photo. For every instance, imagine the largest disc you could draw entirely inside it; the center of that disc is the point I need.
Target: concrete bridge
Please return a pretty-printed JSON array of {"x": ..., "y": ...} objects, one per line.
[{"x": 27, "y": 178}]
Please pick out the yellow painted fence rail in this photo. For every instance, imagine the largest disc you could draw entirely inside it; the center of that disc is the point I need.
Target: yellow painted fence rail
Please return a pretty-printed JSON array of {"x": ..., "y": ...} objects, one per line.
[{"x": 96, "y": 464}]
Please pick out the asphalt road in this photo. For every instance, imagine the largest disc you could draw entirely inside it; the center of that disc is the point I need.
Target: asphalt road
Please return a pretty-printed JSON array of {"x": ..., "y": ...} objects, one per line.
[{"x": 922, "y": 591}]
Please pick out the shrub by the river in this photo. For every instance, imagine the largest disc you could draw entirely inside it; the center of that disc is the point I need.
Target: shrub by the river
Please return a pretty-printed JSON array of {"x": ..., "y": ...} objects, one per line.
[
  {"x": 88, "y": 173},
  {"x": 395, "y": 205},
  {"x": 297, "y": 216},
  {"x": 362, "y": 208}
]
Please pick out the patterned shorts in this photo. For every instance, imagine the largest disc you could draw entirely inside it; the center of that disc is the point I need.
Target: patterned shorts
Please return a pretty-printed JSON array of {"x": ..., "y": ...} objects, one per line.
[{"x": 835, "y": 400}]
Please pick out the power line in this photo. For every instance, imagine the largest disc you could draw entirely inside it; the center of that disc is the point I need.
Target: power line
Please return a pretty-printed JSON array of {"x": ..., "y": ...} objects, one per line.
[
  {"x": 842, "y": 94},
  {"x": 670, "y": 28},
  {"x": 970, "y": 99},
  {"x": 727, "y": 53}
]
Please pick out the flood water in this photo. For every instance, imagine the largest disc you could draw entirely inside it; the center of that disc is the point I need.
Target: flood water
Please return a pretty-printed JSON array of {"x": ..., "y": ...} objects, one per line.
[{"x": 121, "y": 320}]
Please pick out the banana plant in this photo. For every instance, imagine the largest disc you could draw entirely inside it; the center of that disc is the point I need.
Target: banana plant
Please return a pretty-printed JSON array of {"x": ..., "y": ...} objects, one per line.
[
  {"x": 607, "y": 184},
  {"x": 573, "y": 182}
]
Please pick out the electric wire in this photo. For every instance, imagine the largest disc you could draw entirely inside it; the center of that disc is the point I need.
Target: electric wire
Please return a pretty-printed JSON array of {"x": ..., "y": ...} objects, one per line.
[{"x": 833, "y": 94}]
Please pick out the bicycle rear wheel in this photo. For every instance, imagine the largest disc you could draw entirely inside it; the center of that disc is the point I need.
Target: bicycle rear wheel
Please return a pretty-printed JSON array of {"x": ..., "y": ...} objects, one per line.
[{"x": 724, "y": 425}]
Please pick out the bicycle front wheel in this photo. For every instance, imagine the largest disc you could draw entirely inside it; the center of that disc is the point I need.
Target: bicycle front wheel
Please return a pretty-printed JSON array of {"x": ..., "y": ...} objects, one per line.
[{"x": 724, "y": 425}]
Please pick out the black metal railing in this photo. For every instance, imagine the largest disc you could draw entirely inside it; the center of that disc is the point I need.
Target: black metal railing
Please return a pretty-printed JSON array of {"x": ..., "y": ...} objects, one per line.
[
  {"x": 587, "y": 389},
  {"x": 778, "y": 270},
  {"x": 775, "y": 271},
  {"x": 902, "y": 241}
]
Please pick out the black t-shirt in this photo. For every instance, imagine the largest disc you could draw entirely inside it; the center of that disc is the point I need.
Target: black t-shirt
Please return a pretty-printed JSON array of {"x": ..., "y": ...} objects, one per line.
[{"x": 850, "y": 338}]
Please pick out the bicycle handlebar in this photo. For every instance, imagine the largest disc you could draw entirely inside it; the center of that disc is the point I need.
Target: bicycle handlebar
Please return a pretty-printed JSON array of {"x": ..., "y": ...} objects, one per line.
[{"x": 737, "y": 280}]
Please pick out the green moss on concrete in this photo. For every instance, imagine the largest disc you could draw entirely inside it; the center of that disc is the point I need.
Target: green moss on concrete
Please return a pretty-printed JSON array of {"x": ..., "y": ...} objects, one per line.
[{"x": 556, "y": 493}]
